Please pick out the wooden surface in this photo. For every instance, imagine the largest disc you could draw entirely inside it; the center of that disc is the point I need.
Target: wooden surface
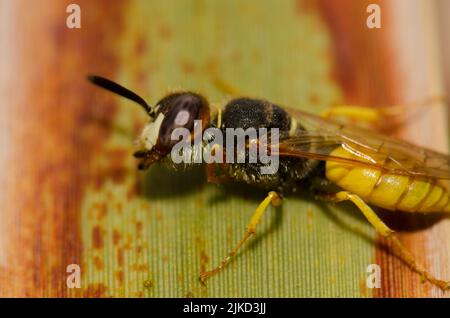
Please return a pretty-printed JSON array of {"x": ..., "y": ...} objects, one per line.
[{"x": 70, "y": 189}]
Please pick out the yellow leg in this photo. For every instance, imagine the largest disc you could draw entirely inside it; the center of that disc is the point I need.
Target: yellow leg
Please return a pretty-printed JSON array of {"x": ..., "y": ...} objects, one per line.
[
  {"x": 385, "y": 231},
  {"x": 377, "y": 116},
  {"x": 366, "y": 114},
  {"x": 273, "y": 198},
  {"x": 219, "y": 118},
  {"x": 225, "y": 87}
]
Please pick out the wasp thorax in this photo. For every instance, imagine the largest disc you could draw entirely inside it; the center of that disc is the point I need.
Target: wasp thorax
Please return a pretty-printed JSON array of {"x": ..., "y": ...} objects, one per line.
[{"x": 178, "y": 110}]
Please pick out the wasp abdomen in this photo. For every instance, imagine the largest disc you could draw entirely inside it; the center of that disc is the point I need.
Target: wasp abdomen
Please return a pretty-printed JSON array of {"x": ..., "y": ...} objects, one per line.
[{"x": 387, "y": 190}]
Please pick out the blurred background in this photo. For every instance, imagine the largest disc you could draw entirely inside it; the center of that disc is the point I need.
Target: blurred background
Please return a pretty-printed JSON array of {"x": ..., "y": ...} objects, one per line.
[{"x": 71, "y": 193}]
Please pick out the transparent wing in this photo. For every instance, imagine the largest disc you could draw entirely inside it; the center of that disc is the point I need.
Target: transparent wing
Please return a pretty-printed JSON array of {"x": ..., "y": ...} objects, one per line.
[{"x": 362, "y": 147}]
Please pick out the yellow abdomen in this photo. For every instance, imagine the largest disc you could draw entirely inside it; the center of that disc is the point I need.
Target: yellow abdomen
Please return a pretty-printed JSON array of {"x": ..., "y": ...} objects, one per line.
[{"x": 388, "y": 191}]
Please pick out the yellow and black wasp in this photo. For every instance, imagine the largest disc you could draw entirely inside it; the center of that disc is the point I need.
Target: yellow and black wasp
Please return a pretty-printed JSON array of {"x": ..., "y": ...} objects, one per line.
[{"x": 336, "y": 162}]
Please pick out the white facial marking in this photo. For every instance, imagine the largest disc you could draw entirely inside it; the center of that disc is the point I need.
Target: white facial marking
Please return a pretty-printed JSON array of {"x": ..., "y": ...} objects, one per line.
[{"x": 149, "y": 135}]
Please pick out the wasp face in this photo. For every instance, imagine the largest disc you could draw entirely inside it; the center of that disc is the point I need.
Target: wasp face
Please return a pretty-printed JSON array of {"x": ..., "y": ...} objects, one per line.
[{"x": 178, "y": 110}]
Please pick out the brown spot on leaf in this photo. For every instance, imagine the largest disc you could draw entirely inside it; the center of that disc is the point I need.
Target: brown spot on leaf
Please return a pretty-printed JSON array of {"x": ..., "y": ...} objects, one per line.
[
  {"x": 204, "y": 258},
  {"x": 120, "y": 257},
  {"x": 148, "y": 283},
  {"x": 212, "y": 66},
  {"x": 363, "y": 288},
  {"x": 139, "y": 227},
  {"x": 141, "y": 46},
  {"x": 314, "y": 99},
  {"x": 95, "y": 290},
  {"x": 187, "y": 67},
  {"x": 116, "y": 237},
  {"x": 165, "y": 32},
  {"x": 97, "y": 237},
  {"x": 189, "y": 294},
  {"x": 140, "y": 267},
  {"x": 100, "y": 210},
  {"x": 140, "y": 294},
  {"x": 141, "y": 77},
  {"x": 116, "y": 169},
  {"x": 98, "y": 263},
  {"x": 120, "y": 276}
]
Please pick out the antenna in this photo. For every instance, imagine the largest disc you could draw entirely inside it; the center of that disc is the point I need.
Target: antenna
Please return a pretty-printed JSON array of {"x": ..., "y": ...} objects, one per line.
[{"x": 120, "y": 90}]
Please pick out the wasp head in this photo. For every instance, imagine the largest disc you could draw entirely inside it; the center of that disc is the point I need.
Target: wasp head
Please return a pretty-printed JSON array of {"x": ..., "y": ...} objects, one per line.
[
  {"x": 177, "y": 110},
  {"x": 183, "y": 110}
]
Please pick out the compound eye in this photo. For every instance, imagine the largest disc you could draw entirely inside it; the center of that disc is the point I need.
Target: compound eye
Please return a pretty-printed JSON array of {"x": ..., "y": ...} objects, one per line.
[{"x": 182, "y": 113}]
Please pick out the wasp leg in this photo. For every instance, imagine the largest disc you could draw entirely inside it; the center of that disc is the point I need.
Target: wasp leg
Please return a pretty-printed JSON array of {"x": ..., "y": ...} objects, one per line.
[
  {"x": 224, "y": 86},
  {"x": 376, "y": 117},
  {"x": 385, "y": 231},
  {"x": 365, "y": 114},
  {"x": 273, "y": 198}
]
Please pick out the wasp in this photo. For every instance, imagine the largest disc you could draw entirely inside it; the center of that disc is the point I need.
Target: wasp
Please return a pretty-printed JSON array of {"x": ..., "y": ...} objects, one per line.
[{"x": 335, "y": 162}]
